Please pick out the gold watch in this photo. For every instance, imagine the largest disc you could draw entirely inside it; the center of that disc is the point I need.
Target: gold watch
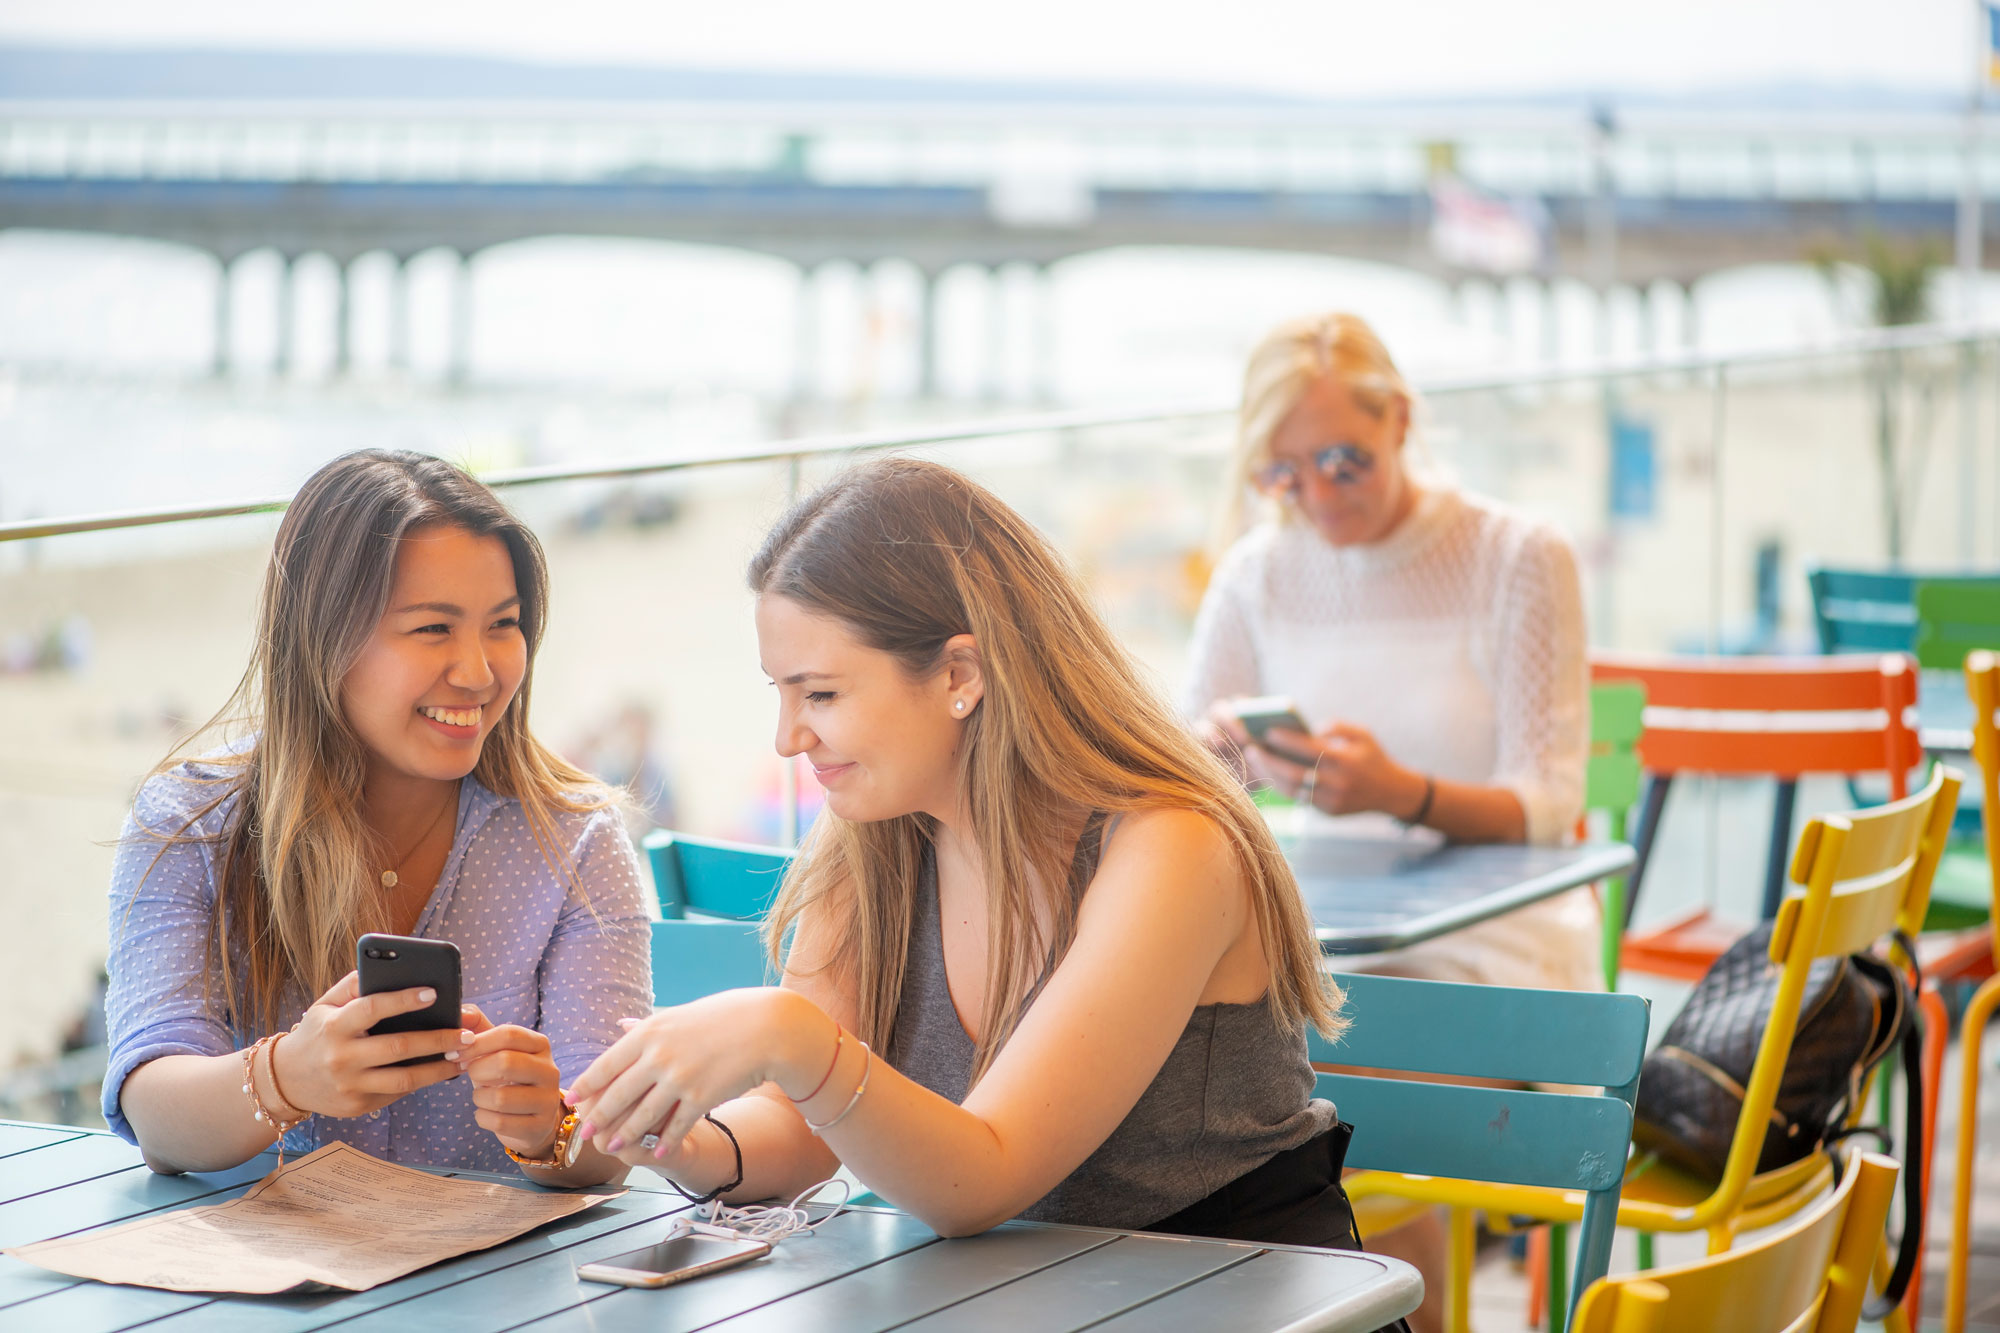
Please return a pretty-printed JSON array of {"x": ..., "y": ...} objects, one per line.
[{"x": 562, "y": 1153}]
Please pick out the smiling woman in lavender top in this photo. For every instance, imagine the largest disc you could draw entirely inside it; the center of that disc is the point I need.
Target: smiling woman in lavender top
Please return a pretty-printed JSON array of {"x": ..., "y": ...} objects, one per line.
[{"x": 386, "y": 780}]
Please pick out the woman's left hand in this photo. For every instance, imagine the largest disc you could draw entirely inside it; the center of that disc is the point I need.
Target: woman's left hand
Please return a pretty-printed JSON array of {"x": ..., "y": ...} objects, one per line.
[
  {"x": 669, "y": 1069},
  {"x": 1352, "y": 773},
  {"x": 516, "y": 1089}
]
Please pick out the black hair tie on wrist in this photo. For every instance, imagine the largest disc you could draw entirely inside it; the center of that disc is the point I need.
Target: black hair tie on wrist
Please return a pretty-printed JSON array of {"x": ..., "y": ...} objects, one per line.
[
  {"x": 719, "y": 1190},
  {"x": 1423, "y": 811}
]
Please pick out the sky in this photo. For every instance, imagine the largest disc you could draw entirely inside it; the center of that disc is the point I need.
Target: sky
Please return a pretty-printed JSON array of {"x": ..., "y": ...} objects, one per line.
[{"x": 1325, "y": 48}]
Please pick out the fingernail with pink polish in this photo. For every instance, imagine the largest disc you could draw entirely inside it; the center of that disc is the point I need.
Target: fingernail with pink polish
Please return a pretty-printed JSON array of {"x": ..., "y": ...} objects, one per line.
[
  {"x": 468, "y": 1036},
  {"x": 587, "y": 1129},
  {"x": 427, "y": 995},
  {"x": 614, "y": 1145}
]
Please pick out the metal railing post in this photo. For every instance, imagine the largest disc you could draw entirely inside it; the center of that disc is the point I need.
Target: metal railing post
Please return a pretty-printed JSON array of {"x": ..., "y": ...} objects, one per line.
[{"x": 788, "y": 800}]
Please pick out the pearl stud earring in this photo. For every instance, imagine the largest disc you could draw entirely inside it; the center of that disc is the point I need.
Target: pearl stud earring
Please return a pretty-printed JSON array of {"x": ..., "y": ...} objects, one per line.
[{"x": 958, "y": 707}]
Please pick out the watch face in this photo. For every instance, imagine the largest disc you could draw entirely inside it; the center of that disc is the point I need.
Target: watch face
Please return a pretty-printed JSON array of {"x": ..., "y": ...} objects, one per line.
[{"x": 572, "y": 1142}]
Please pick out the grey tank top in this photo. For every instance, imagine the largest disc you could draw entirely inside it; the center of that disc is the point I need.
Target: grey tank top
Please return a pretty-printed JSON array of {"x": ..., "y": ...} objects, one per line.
[{"x": 1235, "y": 1091}]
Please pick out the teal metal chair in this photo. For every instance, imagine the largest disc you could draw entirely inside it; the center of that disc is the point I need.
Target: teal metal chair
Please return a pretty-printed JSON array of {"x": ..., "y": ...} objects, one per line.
[
  {"x": 1877, "y": 610},
  {"x": 732, "y": 880},
  {"x": 696, "y": 958},
  {"x": 1474, "y": 1147}
]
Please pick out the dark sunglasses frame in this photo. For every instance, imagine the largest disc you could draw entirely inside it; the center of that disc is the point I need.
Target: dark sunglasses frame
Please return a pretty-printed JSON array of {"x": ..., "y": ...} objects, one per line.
[{"x": 1341, "y": 464}]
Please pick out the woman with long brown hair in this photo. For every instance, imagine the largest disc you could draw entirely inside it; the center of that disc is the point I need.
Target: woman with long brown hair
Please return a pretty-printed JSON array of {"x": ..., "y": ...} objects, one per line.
[
  {"x": 1045, "y": 959},
  {"x": 384, "y": 778}
]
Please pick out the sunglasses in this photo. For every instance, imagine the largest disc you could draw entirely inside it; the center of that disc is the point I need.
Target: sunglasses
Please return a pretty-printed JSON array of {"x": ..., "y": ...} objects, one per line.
[{"x": 1341, "y": 464}]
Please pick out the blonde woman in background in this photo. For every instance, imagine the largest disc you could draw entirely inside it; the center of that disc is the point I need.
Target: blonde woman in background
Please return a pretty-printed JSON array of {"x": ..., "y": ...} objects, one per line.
[
  {"x": 388, "y": 782},
  {"x": 1435, "y": 641},
  {"x": 1433, "y": 638},
  {"x": 1046, "y": 959}
]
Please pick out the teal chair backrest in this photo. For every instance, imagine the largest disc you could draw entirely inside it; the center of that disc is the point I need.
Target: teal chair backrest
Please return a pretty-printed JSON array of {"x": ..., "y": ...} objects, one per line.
[
  {"x": 1955, "y": 617},
  {"x": 1570, "y": 1141},
  {"x": 1863, "y": 610},
  {"x": 696, "y": 958},
  {"x": 1875, "y": 610},
  {"x": 714, "y": 878}
]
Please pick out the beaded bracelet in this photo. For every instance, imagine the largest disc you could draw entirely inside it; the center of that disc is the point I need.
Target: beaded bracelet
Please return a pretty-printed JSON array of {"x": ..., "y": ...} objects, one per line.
[
  {"x": 257, "y": 1109},
  {"x": 867, "y": 1068}
]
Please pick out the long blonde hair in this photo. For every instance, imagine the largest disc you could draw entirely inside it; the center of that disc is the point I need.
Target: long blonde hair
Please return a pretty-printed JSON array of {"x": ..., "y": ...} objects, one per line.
[
  {"x": 295, "y": 868},
  {"x": 906, "y": 554},
  {"x": 1291, "y": 358}
]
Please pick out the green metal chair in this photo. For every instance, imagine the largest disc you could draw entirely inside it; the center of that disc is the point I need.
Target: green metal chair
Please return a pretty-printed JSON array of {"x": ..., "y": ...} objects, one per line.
[
  {"x": 1475, "y": 1147},
  {"x": 732, "y": 880},
  {"x": 1955, "y": 618},
  {"x": 1611, "y": 785}
]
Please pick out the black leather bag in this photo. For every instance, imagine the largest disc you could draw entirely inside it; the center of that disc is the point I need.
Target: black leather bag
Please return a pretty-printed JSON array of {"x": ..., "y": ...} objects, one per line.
[{"x": 1855, "y": 1010}]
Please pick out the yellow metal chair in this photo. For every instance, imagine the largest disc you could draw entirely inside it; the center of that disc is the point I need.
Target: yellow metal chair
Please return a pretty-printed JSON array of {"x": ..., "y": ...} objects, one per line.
[
  {"x": 1982, "y": 679},
  {"x": 1809, "y": 1278},
  {"x": 1861, "y": 875}
]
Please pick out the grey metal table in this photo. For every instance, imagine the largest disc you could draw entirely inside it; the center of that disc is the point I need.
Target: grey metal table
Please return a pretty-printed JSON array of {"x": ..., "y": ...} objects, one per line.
[
  {"x": 1371, "y": 894},
  {"x": 868, "y": 1269}
]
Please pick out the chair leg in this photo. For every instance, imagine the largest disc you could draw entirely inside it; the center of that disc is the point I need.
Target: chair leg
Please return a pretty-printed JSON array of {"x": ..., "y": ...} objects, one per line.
[
  {"x": 1458, "y": 1305},
  {"x": 1558, "y": 1277},
  {"x": 1781, "y": 846},
  {"x": 1972, "y": 1038},
  {"x": 1898, "y": 1319},
  {"x": 1614, "y": 937},
  {"x": 1646, "y": 1263},
  {"x": 1650, "y": 810},
  {"x": 1537, "y": 1275},
  {"x": 1937, "y": 1032}
]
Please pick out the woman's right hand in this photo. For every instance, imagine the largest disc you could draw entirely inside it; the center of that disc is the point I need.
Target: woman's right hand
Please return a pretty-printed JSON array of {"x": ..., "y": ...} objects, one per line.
[
  {"x": 1222, "y": 732},
  {"x": 329, "y": 1065}
]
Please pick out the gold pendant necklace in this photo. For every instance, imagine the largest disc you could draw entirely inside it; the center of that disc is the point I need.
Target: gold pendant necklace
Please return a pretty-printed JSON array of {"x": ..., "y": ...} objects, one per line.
[{"x": 389, "y": 877}]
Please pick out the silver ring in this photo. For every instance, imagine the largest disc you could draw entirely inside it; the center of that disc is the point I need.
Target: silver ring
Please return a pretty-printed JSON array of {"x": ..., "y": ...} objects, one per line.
[{"x": 650, "y": 1142}]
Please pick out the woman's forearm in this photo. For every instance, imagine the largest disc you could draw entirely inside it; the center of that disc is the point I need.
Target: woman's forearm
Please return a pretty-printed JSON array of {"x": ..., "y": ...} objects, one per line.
[
  {"x": 190, "y": 1113},
  {"x": 1464, "y": 812}
]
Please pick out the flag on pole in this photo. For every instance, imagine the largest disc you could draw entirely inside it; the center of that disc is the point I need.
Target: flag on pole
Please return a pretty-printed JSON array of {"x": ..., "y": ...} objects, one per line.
[{"x": 1991, "y": 31}]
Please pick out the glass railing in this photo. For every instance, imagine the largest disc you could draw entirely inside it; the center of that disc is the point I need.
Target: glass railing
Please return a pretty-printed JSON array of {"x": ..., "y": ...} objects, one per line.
[{"x": 1694, "y": 488}]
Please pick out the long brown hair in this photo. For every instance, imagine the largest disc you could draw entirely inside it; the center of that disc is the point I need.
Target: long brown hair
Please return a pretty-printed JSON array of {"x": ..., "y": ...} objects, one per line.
[
  {"x": 906, "y": 554},
  {"x": 296, "y": 882}
]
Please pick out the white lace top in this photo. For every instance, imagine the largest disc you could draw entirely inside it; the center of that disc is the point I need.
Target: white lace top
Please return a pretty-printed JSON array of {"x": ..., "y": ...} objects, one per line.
[{"x": 1458, "y": 640}]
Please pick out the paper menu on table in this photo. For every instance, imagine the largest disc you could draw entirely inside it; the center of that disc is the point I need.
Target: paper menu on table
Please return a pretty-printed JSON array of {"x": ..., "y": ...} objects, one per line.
[{"x": 337, "y": 1218}]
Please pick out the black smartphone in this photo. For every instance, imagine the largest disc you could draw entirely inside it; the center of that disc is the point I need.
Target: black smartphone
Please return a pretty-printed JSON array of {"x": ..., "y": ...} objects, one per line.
[
  {"x": 402, "y": 962},
  {"x": 674, "y": 1260}
]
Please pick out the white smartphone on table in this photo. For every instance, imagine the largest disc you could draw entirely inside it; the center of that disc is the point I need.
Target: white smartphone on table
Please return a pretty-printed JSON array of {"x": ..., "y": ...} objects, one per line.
[
  {"x": 675, "y": 1259},
  {"x": 1272, "y": 712}
]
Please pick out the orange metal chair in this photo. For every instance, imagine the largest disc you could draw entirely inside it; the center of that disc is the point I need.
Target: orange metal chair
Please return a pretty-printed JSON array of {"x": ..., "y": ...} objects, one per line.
[{"x": 1755, "y": 717}]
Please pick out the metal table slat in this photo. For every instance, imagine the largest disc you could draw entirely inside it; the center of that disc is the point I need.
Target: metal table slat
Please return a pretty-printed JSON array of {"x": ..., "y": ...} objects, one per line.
[
  {"x": 1277, "y": 1289},
  {"x": 70, "y": 1162},
  {"x": 1099, "y": 1282},
  {"x": 557, "y": 1298},
  {"x": 26, "y": 1138},
  {"x": 919, "y": 1283}
]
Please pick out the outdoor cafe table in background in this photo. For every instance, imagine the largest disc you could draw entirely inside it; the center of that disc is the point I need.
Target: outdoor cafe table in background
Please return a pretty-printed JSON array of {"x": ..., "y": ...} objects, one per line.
[
  {"x": 1371, "y": 894},
  {"x": 867, "y": 1269}
]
